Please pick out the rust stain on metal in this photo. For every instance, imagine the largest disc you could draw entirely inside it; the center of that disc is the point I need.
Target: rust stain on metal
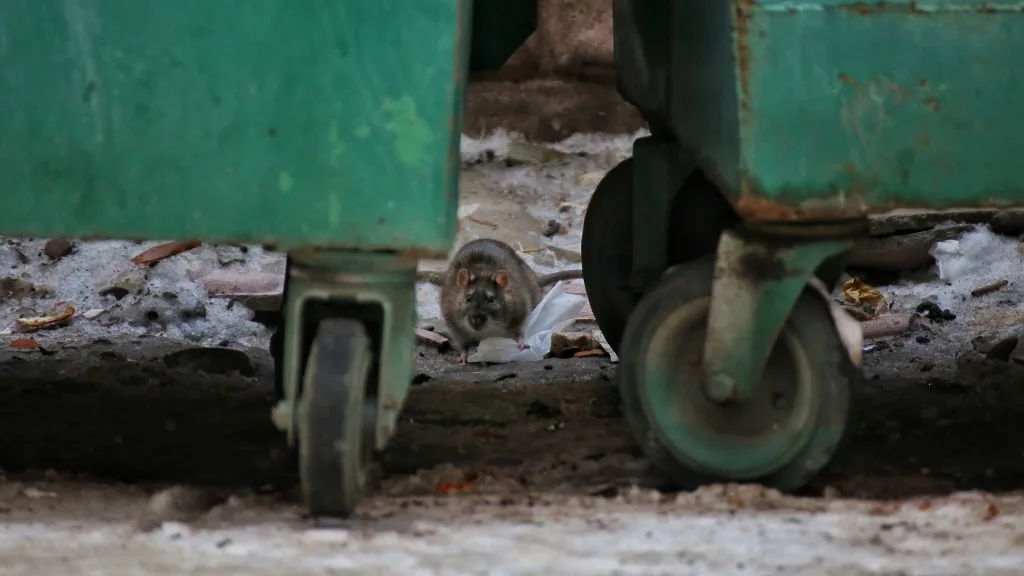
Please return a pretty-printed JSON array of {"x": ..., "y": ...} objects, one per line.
[
  {"x": 847, "y": 79},
  {"x": 757, "y": 208},
  {"x": 865, "y": 8},
  {"x": 760, "y": 267}
]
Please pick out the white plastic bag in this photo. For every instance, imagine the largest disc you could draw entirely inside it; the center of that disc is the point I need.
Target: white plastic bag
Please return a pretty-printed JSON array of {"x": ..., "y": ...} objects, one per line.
[{"x": 555, "y": 312}]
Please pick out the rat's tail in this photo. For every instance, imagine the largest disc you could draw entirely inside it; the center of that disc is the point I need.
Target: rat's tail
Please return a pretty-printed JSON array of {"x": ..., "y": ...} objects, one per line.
[{"x": 549, "y": 279}]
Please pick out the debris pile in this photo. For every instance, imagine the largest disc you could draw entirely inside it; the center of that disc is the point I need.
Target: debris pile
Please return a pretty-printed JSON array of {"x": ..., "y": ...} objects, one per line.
[{"x": 970, "y": 282}]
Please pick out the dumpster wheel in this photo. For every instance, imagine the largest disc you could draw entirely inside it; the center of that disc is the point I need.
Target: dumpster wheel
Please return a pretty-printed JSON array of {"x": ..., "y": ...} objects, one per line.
[
  {"x": 697, "y": 216},
  {"x": 335, "y": 422},
  {"x": 781, "y": 437}
]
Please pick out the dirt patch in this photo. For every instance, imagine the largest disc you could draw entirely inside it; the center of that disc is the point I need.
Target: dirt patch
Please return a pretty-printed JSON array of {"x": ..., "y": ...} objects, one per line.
[
  {"x": 121, "y": 413},
  {"x": 548, "y": 110}
]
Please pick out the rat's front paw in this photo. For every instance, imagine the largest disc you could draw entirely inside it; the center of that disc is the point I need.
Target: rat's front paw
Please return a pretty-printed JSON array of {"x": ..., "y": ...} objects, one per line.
[{"x": 522, "y": 346}]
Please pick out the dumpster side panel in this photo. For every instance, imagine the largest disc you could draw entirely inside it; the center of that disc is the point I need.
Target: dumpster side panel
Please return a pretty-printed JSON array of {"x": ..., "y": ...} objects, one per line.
[
  {"x": 850, "y": 108},
  {"x": 324, "y": 122}
]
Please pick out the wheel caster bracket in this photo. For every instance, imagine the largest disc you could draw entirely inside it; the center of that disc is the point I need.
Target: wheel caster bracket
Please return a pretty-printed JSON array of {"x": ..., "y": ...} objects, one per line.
[
  {"x": 660, "y": 168},
  {"x": 756, "y": 284}
]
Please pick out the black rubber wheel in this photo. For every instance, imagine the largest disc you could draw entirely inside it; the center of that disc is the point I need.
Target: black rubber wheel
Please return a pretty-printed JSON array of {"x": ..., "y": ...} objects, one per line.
[
  {"x": 698, "y": 216},
  {"x": 781, "y": 438},
  {"x": 334, "y": 452}
]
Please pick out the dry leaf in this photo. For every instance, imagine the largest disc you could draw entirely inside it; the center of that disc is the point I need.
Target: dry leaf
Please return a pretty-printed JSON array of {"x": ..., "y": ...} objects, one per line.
[
  {"x": 481, "y": 221},
  {"x": 164, "y": 251},
  {"x": 24, "y": 344},
  {"x": 53, "y": 318},
  {"x": 453, "y": 488},
  {"x": 857, "y": 292},
  {"x": 430, "y": 337}
]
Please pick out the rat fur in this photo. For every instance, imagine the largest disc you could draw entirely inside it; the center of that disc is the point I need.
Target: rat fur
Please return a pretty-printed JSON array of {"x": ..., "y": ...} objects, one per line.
[{"x": 488, "y": 291}]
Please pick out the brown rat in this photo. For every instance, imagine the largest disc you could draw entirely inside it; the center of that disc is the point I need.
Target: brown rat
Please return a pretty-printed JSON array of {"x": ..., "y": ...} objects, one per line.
[{"x": 489, "y": 291}]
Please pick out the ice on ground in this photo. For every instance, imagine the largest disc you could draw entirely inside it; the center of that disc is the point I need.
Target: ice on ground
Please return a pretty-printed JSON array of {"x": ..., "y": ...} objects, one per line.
[
  {"x": 165, "y": 299},
  {"x": 976, "y": 259},
  {"x": 952, "y": 538}
]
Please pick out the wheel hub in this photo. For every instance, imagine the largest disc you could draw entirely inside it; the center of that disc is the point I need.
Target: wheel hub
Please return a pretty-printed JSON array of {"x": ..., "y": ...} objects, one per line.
[{"x": 740, "y": 440}]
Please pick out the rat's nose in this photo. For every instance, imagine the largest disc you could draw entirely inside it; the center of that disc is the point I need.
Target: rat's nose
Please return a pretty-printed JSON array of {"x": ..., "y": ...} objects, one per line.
[{"x": 477, "y": 321}]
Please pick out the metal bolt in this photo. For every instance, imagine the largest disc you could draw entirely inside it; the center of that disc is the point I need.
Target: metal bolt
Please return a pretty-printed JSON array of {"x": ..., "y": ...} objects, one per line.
[
  {"x": 281, "y": 416},
  {"x": 721, "y": 387}
]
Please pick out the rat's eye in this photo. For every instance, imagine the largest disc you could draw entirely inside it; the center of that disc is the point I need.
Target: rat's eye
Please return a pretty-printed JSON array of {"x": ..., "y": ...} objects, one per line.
[
  {"x": 490, "y": 297},
  {"x": 469, "y": 297}
]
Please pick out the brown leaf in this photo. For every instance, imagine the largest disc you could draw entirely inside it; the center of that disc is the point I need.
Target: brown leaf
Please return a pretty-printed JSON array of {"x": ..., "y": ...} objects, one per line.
[
  {"x": 24, "y": 344},
  {"x": 164, "y": 251},
  {"x": 55, "y": 317},
  {"x": 453, "y": 487}
]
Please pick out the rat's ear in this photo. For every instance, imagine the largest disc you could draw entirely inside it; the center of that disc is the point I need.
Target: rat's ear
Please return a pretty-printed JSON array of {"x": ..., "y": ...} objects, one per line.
[
  {"x": 501, "y": 279},
  {"x": 462, "y": 278}
]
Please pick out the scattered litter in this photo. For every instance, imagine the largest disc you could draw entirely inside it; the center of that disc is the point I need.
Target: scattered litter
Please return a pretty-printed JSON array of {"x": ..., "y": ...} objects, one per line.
[
  {"x": 855, "y": 291},
  {"x": 55, "y": 317},
  {"x": 988, "y": 288},
  {"x": 453, "y": 487},
  {"x": 887, "y": 325},
  {"x": 24, "y": 344},
  {"x": 590, "y": 353},
  {"x": 57, "y": 248},
  {"x": 934, "y": 312},
  {"x": 555, "y": 312},
  {"x": 599, "y": 337},
  {"x": 566, "y": 344},
  {"x": 430, "y": 337},
  {"x": 16, "y": 288},
  {"x": 551, "y": 228},
  {"x": 467, "y": 209},
  {"x": 481, "y": 221},
  {"x": 93, "y": 312},
  {"x": 164, "y": 251},
  {"x": 523, "y": 153}
]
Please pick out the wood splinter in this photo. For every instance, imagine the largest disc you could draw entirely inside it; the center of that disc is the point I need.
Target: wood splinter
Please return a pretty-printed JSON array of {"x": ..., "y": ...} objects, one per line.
[{"x": 988, "y": 288}]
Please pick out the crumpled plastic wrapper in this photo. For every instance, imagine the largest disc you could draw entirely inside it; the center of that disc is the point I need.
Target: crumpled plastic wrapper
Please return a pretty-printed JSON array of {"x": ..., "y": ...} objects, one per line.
[{"x": 555, "y": 312}]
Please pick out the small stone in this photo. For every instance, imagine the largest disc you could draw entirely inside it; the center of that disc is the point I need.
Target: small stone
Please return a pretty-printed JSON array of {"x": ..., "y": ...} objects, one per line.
[
  {"x": 58, "y": 248},
  {"x": 211, "y": 361},
  {"x": 552, "y": 228},
  {"x": 15, "y": 288},
  {"x": 922, "y": 339},
  {"x": 197, "y": 310},
  {"x": 131, "y": 282}
]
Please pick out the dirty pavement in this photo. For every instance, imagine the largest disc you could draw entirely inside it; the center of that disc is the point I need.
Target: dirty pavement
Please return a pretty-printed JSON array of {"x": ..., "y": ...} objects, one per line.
[{"x": 135, "y": 433}]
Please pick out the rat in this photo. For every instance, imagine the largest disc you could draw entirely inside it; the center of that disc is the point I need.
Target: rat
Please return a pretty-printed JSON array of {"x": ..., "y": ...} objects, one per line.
[{"x": 489, "y": 291}]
